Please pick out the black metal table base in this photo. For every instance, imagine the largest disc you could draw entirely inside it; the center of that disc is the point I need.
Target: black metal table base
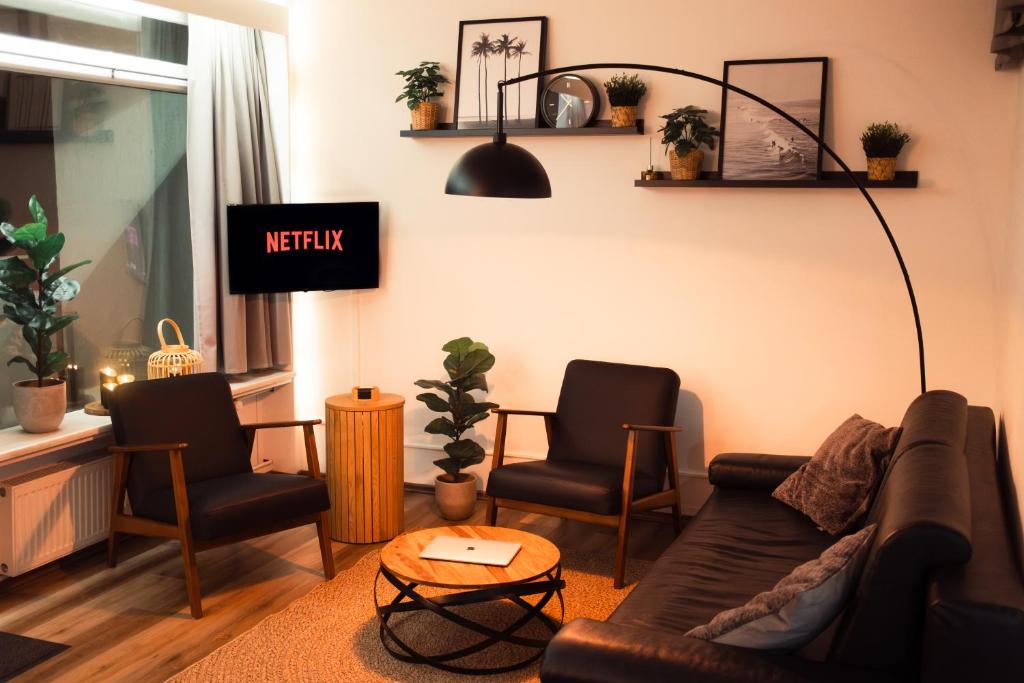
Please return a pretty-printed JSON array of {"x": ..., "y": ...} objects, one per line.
[{"x": 409, "y": 600}]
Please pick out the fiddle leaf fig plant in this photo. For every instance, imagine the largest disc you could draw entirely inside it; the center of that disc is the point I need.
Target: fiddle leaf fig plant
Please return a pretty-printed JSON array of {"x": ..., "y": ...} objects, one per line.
[
  {"x": 685, "y": 130},
  {"x": 421, "y": 84},
  {"x": 467, "y": 364},
  {"x": 32, "y": 290}
]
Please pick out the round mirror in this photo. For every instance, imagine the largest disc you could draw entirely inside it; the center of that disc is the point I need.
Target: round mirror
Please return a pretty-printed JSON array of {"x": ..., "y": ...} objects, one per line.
[{"x": 570, "y": 101}]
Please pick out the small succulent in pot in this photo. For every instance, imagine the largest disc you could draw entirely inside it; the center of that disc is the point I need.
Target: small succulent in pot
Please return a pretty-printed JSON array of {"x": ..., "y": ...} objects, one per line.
[
  {"x": 685, "y": 131},
  {"x": 624, "y": 95},
  {"x": 33, "y": 288},
  {"x": 467, "y": 364},
  {"x": 882, "y": 143},
  {"x": 422, "y": 83}
]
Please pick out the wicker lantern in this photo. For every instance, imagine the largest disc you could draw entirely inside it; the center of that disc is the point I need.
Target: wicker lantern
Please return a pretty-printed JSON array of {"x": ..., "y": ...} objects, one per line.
[{"x": 173, "y": 360}]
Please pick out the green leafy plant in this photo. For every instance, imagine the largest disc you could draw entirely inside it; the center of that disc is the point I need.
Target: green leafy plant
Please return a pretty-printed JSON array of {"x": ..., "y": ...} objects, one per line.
[
  {"x": 883, "y": 140},
  {"x": 686, "y": 130},
  {"x": 32, "y": 291},
  {"x": 467, "y": 364},
  {"x": 625, "y": 91},
  {"x": 421, "y": 83}
]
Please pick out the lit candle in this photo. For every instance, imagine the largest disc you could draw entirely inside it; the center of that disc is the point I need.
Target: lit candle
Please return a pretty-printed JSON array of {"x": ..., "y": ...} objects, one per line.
[{"x": 125, "y": 378}]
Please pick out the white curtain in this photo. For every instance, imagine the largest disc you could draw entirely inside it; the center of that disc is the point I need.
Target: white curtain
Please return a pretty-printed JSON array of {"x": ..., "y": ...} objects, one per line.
[{"x": 232, "y": 159}]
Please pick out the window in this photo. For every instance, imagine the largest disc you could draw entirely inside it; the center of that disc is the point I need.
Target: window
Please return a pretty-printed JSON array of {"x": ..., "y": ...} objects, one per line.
[{"x": 107, "y": 162}]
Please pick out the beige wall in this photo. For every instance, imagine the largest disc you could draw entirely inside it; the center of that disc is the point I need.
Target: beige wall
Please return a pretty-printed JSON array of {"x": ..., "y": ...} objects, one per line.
[{"x": 782, "y": 310}]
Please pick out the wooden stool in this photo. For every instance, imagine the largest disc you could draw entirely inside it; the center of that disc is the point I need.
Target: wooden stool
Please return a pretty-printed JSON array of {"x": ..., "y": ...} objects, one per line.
[{"x": 365, "y": 467}]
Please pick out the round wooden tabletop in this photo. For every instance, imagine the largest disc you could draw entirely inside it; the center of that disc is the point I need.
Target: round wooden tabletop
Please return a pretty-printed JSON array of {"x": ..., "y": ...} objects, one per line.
[
  {"x": 382, "y": 402},
  {"x": 401, "y": 557}
]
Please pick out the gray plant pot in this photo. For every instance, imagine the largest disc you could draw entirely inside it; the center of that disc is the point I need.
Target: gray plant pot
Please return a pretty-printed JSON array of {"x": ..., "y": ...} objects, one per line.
[
  {"x": 40, "y": 409},
  {"x": 457, "y": 500}
]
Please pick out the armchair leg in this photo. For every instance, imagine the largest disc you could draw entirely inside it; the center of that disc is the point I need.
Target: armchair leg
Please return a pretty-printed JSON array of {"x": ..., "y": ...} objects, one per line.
[
  {"x": 326, "y": 551},
  {"x": 188, "y": 556},
  {"x": 112, "y": 549},
  {"x": 620, "y": 549},
  {"x": 492, "y": 512}
]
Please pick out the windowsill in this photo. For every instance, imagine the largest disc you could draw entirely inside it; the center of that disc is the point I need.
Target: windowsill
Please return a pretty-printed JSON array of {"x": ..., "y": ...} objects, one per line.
[{"x": 17, "y": 445}]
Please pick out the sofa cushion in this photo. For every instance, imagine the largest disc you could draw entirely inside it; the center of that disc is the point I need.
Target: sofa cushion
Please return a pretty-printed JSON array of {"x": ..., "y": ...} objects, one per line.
[
  {"x": 566, "y": 484},
  {"x": 739, "y": 544},
  {"x": 836, "y": 486},
  {"x": 800, "y": 605},
  {"x": 240, "y": 502}
]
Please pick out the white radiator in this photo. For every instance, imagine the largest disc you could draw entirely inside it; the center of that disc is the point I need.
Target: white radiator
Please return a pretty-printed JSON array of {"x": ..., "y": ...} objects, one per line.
[{"x": 53, "y": 511}]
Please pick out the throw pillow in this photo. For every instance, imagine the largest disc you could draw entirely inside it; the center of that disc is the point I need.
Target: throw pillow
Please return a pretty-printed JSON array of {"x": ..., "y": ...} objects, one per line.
[
  {"x": 836, "y": 486},
  {"x": 800, "y": 606}
]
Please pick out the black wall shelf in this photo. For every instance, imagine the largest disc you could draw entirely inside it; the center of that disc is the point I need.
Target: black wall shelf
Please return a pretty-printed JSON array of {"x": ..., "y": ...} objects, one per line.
[
  {"x": 602, "y": 127},
  {"x": 829, "y": 179}
]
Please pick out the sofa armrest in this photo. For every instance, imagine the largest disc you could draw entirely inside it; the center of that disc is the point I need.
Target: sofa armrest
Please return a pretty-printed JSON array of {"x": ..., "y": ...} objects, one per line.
[
  {"x": 752, "y": 470},
  {"x": 588, "y": 651}
]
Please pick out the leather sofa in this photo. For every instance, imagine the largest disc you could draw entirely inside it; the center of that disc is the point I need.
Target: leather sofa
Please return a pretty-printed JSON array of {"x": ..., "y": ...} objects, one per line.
[{"x": 924, "y": 608}]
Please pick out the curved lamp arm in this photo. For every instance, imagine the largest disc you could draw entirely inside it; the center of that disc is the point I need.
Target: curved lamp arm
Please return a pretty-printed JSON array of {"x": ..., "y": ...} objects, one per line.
[{"x": 499, "y": 137}]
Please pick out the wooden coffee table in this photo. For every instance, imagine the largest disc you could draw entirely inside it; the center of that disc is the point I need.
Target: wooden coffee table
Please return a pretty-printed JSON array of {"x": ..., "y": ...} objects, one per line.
[{"x": 535, "y": 570}]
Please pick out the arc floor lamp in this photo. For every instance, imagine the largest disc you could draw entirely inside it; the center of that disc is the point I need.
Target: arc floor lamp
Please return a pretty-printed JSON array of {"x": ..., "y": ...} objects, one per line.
[{"x": 501, "y": 169}]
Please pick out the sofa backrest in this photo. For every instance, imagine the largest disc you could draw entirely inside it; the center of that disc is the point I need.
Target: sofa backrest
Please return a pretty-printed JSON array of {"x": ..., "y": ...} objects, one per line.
[
  {"x": 922, "y": 510},
  {"x": 974, "y": 617}
]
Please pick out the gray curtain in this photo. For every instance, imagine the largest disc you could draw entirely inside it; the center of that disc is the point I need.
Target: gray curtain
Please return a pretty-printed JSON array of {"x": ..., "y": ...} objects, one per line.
[{"x": 231, "y": 160}]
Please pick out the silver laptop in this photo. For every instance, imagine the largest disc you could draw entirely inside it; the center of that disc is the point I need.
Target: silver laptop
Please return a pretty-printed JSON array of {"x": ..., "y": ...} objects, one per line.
[{"x": 471, "y": 550}]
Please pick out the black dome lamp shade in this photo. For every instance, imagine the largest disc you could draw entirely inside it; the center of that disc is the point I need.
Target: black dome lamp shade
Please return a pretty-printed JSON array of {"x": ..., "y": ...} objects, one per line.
[{"x": 500, "y": 169}]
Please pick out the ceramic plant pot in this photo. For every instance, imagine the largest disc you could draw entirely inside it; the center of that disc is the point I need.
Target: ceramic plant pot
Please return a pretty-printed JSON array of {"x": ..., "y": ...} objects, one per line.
[
  {"x": 881, "y": 168},
  {"x": 425, "y": 116},
  {"x": 40, "y": 409},
  {"x": 455, "y": 500},
  {"x": 686, "y": 167},
  {"x": 624, "y": 117}
]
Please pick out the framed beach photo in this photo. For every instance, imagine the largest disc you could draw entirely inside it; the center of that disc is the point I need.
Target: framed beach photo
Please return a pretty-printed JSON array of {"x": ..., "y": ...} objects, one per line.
[
  {"x": 759, "y": 144},
  {"x": 493, "y": 50}
]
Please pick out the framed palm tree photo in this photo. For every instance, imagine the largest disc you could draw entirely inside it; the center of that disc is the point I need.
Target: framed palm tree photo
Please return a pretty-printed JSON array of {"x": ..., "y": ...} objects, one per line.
[{"x": 493, "y": 50}]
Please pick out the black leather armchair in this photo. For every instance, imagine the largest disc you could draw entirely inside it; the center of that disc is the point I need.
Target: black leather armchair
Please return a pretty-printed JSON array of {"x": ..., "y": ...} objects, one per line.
[
  {"x": 182, "y": 458},
  {"x": 611, "y": 444}
]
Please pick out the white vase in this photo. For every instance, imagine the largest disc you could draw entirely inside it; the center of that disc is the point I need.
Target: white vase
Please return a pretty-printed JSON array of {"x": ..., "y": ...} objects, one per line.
[
  {"x": 40, "y": 409},
  {"x": 455, "y": 500}
]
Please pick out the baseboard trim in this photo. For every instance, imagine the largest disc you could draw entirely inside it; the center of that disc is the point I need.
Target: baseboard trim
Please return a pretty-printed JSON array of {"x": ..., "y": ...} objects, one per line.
[{"x": 646, "y": 515}]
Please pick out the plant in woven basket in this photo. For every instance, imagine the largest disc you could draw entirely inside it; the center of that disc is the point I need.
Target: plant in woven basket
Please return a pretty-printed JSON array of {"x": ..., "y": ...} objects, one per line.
[
  {"x": 625, "y": 91},
  {"x": 421, "y": 84},
  {"x": 883, "y": 140},
  {"x": 685, "y": 130},
  {"x": 467, "y": 364},
  {"x": 33, "y": 289}
]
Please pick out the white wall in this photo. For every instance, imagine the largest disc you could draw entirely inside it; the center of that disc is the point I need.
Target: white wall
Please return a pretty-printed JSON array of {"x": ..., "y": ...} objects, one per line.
[{"x": 782, "y": 310}]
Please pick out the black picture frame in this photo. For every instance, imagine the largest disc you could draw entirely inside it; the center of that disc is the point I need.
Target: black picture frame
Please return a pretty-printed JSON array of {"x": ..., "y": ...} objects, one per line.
[
  {"x": 726, "y": 94},
  {"x": 467, "y": 25}
]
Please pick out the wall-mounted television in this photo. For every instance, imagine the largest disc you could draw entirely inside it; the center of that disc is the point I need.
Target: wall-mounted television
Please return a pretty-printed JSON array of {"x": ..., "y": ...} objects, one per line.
[{"x": 303, "y": 247}]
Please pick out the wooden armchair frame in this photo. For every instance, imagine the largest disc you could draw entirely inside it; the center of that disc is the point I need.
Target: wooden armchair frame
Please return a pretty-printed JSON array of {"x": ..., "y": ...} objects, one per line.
[
  {"x": 182, "y": 531},
  {"x": 666, "y": 498}
]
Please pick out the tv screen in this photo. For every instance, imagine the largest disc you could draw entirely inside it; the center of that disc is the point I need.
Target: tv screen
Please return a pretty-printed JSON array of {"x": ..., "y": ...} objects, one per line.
[{"x": 302, "y": 247}]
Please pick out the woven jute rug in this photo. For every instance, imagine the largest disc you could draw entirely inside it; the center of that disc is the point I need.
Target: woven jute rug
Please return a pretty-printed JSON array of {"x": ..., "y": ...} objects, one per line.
[{"x": 332, "y": 633}]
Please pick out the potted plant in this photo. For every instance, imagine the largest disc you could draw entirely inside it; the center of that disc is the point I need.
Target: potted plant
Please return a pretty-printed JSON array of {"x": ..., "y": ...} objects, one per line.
[
  {"x": 32, "y": 290},
  {"x": 467, "y": 364},
  {"x": 421, "y": 84},
  {"x": 624, "y": 95},
  {"x": 882, "y": 143},
  {"x": 684, "y": 132}
]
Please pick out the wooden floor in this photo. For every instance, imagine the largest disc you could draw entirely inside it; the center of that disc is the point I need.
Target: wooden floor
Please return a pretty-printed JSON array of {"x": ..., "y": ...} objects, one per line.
[{"x": 132, "y": 623}]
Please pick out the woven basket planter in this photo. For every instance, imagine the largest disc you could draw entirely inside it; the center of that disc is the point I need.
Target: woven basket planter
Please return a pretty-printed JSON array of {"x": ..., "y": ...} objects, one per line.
[
  {"x": 881, "y": 168},
  {"x": 686, "y": 167},
  {"x": 425, "y": 115},
  {"x": 624, "y": 117},
  {"x": 172, "y": 360}
]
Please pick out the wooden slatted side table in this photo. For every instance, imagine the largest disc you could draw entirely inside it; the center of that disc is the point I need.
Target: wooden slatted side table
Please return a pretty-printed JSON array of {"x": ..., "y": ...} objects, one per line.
[{"x": 365, "y": 467}]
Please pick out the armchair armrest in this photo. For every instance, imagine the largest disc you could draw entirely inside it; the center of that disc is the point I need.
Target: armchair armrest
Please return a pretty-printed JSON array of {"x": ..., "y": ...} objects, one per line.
[
  {"x": 651, "y": 428},
  {"x": 512, "y": 411},
  {"x": 588, "y": 651},
  {"x": 752, "y": 470},
  {"x": 143, "y": 448},
  {"x": 284, "y": 423}
]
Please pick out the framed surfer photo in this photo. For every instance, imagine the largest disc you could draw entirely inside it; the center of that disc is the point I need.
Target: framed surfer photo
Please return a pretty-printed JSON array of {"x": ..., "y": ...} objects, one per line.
[{"x": 759, "y": 144}]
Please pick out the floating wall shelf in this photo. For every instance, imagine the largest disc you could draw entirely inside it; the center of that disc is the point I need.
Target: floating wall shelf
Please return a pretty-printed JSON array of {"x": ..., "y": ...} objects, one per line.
[
  {"x": 602, "y": 127},
  {"x": 829, "y": 179}
]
